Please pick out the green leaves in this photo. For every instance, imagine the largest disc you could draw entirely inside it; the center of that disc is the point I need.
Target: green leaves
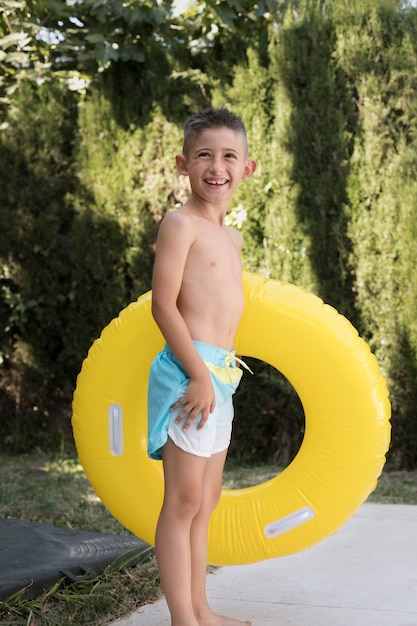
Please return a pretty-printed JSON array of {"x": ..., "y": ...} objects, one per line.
[{"x": 46, "y": 38}]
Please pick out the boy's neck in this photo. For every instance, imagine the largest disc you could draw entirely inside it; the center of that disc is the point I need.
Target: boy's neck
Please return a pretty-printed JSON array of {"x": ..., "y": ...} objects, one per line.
[{"x": 209, "y": 212}]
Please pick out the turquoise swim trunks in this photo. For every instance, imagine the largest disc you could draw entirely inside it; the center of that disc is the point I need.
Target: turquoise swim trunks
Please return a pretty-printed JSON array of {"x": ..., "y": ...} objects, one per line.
[{"x": 168, "y": 382}]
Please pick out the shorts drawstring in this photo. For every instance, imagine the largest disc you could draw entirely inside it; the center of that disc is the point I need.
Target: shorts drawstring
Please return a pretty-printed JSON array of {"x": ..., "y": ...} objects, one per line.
[{"x": 230, "y": 358}]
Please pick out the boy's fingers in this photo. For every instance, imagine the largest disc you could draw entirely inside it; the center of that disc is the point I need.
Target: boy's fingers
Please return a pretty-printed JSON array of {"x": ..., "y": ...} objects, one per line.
[
  {"x": 193, "y": 416},
  {"x": 189, "y": 415},
  {"x": 204, "y": 418},
  {"x": 177, "y": 404}
]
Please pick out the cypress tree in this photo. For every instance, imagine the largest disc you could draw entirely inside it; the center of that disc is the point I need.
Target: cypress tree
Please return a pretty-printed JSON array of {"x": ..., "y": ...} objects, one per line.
[{"x": 378, "y": 54}]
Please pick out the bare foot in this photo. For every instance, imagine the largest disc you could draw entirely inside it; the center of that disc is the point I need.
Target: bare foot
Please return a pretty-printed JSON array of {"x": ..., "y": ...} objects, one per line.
[{"x": 213, "y": 619}]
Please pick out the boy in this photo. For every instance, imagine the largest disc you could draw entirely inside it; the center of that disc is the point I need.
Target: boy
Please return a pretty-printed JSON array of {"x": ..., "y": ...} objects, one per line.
[{"x": 197, "y": 302}]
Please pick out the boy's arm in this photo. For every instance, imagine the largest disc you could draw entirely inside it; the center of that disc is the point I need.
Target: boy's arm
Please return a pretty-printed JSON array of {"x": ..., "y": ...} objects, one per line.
[{"x": 176, "y": 236}]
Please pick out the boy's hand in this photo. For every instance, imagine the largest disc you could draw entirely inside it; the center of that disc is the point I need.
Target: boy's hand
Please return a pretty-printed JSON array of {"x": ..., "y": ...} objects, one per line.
[{"x": 199, "y": 398}]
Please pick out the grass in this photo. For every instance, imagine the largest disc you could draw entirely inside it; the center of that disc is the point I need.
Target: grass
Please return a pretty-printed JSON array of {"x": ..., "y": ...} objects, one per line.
[
  {"x": 394, "y": 487},
  {"x": 54, "y": 490}
]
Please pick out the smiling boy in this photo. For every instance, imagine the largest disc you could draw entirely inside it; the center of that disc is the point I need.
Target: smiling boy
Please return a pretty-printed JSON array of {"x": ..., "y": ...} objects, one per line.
[{"x": 197, "y": 302}]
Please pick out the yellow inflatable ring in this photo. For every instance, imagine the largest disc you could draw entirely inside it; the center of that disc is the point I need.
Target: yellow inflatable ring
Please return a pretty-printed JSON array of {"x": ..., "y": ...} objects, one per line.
[{"x": 347, "y": 432}]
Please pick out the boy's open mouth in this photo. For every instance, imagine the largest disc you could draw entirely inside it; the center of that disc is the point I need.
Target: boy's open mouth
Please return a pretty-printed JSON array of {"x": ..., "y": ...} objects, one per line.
[{"x": 218, "y": 182}]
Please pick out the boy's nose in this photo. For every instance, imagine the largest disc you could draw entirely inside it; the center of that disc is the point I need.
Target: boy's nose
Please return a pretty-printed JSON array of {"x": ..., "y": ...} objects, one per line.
[{"x": 217, "y": 165}]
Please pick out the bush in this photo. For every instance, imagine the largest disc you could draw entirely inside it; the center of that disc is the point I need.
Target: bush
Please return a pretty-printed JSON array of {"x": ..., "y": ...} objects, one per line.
[{"x": 329, "y": 103}]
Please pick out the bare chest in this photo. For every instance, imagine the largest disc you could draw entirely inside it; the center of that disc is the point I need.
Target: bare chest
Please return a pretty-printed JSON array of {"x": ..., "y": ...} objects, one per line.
[{"x": 214, "y": 253}]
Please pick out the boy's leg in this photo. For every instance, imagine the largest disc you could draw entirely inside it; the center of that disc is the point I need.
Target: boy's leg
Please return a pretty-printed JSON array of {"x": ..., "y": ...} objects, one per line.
[
  {"x": 212, "y": 488},
  {"x": 184, "y": 479}
]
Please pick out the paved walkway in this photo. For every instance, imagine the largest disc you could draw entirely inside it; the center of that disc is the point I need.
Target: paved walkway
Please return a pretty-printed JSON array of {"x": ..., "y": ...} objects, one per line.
[{"x": 365, "y": 575}]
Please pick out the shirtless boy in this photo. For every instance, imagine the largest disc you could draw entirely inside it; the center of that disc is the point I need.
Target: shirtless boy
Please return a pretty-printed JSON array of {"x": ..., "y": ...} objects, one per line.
[{"x": 197, "y": 302}]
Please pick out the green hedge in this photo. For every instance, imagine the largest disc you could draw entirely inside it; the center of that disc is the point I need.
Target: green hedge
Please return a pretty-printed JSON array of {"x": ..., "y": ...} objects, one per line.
[{"x": 329, "y": 103}]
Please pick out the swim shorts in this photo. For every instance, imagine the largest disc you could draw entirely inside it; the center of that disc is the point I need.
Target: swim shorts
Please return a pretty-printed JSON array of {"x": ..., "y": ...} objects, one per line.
[{"x": 168, "y": 382}]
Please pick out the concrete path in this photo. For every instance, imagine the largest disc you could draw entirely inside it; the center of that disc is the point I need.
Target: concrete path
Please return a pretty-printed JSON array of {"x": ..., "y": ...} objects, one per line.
[{"x": 365, "y": 575}]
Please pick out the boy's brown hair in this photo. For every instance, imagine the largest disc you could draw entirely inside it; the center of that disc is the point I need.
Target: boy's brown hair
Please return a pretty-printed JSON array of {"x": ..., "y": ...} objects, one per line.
[{"x": 211, "y": 118}]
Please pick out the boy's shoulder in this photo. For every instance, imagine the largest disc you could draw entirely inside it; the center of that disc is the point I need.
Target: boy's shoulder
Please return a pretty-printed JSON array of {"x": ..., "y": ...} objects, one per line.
[
  {"x": 177, "y": 219},
  {"x": 175, "y": 215},
  {"x": 177, "y": 227}
]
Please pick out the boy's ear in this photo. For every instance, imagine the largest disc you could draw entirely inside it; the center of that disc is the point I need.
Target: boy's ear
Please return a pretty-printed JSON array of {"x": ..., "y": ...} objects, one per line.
[
  {"x": 181, "y": 162},
  {"x": 250, "y": 168}
]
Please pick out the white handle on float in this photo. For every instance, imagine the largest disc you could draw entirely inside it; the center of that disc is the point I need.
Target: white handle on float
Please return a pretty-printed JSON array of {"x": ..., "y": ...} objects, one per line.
[
  {"x": 116, "y": 429},
  {"x": 283, "y": 525}
]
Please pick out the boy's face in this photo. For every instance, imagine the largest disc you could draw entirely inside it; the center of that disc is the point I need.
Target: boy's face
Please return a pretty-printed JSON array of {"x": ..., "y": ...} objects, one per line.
[{"x": 216, "y": 163}]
